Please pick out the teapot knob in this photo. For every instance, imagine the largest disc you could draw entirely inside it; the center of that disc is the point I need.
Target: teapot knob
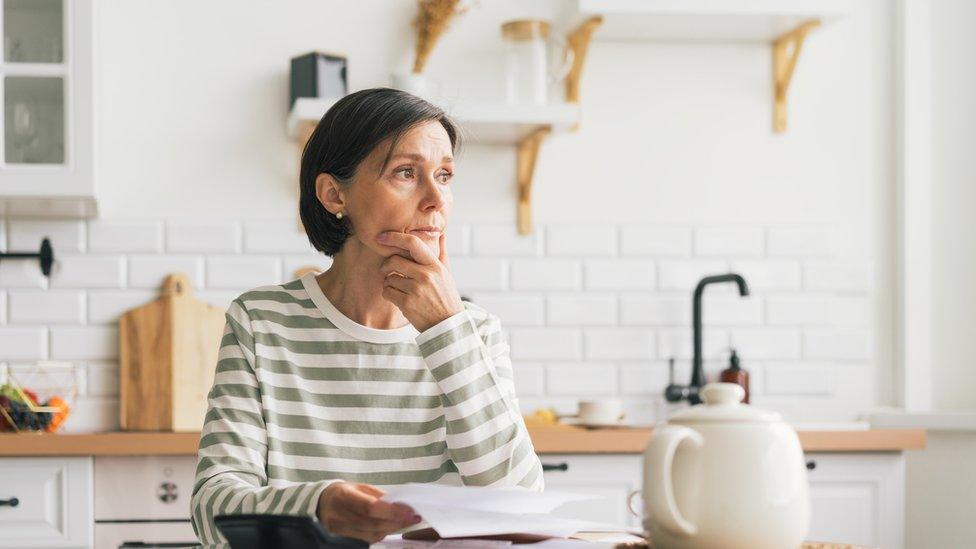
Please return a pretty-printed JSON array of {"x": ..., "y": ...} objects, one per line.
[{"x": 722, "y": 393}]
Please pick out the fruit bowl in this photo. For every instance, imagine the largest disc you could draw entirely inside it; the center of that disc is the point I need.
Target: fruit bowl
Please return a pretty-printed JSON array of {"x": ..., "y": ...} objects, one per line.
[{"x": 22, "y": 410}]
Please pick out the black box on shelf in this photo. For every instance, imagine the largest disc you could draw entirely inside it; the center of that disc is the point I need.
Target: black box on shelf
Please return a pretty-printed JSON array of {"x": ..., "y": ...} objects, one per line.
[{"x": 320, "y": 75}]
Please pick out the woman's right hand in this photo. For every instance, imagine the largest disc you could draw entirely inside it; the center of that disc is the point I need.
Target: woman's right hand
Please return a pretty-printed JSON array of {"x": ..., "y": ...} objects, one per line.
[{"x": 355, "y": 510}]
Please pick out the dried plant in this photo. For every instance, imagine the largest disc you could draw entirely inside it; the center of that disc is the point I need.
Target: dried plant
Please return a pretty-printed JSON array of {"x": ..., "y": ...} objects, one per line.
[{"x": 433, "y": 18}]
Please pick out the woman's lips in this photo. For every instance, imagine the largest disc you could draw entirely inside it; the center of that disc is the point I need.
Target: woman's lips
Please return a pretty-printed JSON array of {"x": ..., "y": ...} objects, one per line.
[{"x": 426, "y": 234}]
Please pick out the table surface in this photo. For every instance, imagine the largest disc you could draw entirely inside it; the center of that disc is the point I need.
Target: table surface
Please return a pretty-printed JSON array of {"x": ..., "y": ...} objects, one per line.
[{"x": 547, "y": 439}]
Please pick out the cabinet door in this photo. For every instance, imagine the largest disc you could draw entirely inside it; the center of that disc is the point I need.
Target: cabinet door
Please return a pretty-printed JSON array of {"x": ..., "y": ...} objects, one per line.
[
  {"x": 143, "y": 487},
  {"x": 610, "y": 478},
  {"x": 858, "y": 499},
  {"x": 47, "y": 502},
  {"x": 46, "y": 91}
]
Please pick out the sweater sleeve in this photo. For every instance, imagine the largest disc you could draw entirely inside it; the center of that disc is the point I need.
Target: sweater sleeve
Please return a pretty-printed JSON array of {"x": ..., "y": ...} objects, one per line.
[
  {"x": 486, "y": 435},
  {"x": 231, "y": 476}
]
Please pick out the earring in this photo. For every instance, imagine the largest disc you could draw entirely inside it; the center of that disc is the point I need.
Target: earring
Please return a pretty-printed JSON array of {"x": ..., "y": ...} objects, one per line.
[{"x": 339, "y": 215}]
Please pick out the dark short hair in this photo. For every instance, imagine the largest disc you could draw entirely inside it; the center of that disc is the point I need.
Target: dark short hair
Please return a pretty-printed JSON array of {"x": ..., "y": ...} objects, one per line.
[{"x": 347, "y": 134}]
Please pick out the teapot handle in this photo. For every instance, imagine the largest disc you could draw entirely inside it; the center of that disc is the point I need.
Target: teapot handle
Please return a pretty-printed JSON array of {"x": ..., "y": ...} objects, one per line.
[{"x": 658, "y": 485}]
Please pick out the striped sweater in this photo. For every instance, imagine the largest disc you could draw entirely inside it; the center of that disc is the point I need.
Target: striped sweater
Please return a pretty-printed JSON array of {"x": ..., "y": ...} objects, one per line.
[{"x": 304, "y": 396}]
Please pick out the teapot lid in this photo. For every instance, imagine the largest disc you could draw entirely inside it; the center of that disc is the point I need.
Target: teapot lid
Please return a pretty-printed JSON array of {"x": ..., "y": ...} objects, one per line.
[{"x": 723, "y": 402}]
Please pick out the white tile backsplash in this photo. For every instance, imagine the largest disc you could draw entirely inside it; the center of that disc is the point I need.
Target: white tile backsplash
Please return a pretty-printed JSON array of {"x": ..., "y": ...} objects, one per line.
[
  {"x": 504, "y": 240},
  {"x": 203, "y": 236},
  {"x": 620, "y": 274},
  {"x": 619, "y": 343},
  {"x": 514, "y": 309},
  {"x": 729, "y": 241},
  {"x": 800, "y": 241},
  {"x": 88, "y": 271},
  {"x": 125, "y": 236},
  {"x": 25, "y": 235},
  {"x": 227, "y": 272},
  {"x": 85, "y": 343},
  {"x": 577, "y": 240},
  {"x": 588, "y": 311},
  {"x": 584, "y": 380},
  {"x": 655, "y": 241},
  {"x": 47, "y": 307},
  {"x": 655, "y": 309},
  {"x": 546, "y": 343},
  {"x": 473, "y": 274},
  {"x": 150, "y": 271},
  {"x": 581, "y": 309},
  {"x": 546, "y": 274},
  {"x": 23, "y": 343},
  {"x": 105, "y": 307},
  {"x": 283, "y": 236},
  {"x": 679, "y": 274}
]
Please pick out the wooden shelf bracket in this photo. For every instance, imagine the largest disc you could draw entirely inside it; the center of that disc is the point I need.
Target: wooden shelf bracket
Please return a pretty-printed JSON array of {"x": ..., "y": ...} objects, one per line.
[
  {"x": 786, "y": 51},
  {"x": 528, "y": 152},
  {"x": 579, "y": 42}
]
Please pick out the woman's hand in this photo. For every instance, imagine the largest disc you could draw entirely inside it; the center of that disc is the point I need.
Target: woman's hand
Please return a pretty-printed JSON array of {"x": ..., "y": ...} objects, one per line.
[
  {"x": 418, "y": 282},
  {"x": 354, "y": 510}
]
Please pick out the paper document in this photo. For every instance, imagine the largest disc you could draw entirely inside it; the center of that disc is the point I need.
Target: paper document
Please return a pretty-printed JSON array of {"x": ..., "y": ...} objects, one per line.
[{"x": 456, "y": 511}]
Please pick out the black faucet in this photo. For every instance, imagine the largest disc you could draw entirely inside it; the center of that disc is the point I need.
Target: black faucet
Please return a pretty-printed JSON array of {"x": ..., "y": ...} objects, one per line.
[{"x": 675, "y": 393}]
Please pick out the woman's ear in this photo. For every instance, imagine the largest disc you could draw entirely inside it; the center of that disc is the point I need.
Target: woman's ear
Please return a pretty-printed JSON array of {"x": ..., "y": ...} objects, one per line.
[{"x": 329, "y": 193}]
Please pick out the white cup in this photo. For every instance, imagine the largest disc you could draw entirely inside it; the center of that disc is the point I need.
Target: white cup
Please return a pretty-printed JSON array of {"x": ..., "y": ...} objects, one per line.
[{"x": 600, "y": 411}]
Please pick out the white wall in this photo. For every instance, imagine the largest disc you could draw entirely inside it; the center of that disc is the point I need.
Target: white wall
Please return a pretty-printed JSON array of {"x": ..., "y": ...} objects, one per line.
[
  {"x": 191, "y": 100},
  {"x": 953, "y": 200}
]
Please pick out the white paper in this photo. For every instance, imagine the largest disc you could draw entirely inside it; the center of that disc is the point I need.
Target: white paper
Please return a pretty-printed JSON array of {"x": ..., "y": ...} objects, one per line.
[{"x": 456, "y": 511}]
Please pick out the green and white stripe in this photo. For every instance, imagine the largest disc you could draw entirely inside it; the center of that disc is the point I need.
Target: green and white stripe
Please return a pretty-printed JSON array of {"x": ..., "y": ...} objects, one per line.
[{"x": 304, "y": 396}]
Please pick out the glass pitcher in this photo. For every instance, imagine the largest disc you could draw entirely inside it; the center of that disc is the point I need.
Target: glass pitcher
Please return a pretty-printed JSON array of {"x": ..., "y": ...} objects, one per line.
[{"x": 529, "y": 73}]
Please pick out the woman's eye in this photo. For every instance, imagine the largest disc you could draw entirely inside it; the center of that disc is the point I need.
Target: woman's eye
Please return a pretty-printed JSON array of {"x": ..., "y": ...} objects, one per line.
[
  {"x": 446, "y": 176},
  {"x": 408, "y": 172}
]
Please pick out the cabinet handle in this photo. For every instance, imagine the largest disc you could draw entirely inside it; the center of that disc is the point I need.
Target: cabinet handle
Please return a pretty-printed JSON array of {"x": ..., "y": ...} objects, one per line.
[
  {"x": 167, "y": 492},
  {"x": 811, "y": 465},
  {"x": 13, "y": 502},
  {"x": 555, "y": 466}
]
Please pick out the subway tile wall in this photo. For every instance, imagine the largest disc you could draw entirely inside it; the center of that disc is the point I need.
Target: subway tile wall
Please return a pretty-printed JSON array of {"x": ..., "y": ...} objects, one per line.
[{"x": 589, "y": 312}]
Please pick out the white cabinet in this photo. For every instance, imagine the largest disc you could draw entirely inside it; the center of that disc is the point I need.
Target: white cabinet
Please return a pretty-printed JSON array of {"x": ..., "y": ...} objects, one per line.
[
  {"x": 143, "y": 499},
  {"x": 46, "y": 123},
  {"x": 610, "y": 477},
  {"x": 858, "y": 498},
  {"x": 47, "y": 502}
]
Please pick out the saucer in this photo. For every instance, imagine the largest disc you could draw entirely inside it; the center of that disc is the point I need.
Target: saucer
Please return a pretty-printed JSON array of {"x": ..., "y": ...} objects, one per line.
[{"x": 598, "y": 424}]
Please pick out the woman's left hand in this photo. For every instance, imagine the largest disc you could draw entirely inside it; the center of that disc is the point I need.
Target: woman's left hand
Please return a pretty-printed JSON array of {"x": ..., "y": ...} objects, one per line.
[{"x": 418, "y": 282}]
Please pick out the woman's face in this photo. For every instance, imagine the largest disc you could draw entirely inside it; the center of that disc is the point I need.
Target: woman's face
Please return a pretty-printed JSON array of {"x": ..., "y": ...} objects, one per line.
[{"x": 411, "y": 194}]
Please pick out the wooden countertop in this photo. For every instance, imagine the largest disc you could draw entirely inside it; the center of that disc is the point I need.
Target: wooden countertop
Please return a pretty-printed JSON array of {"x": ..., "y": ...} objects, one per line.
[{"x": 555, "y": 439}]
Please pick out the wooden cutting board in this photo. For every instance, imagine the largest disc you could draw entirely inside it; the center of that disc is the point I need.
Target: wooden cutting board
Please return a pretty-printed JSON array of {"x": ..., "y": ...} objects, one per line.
[{"x": 167, "y": 357}]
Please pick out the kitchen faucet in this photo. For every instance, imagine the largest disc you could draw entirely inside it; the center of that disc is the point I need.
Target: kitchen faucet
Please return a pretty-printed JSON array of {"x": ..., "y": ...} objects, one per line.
[{"x": 675, "y": 393}]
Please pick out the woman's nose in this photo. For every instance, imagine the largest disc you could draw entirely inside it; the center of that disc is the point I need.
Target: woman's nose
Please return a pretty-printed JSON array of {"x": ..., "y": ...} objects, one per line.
[{"x": 434, "y": 197}]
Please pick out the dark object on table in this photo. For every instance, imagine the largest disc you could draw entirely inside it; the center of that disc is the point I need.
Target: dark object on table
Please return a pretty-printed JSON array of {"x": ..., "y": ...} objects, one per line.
[
  {"x": 318, "y": 75},
  {"x": 262, "y": 531},
  {"x": 673, "y": 392},
  {"x": 45, "y": 256},
  {"x": 429, "y": 534}
]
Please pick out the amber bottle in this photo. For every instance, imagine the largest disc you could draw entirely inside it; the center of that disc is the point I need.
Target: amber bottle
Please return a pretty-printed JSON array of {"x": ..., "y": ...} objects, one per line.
[{"x": 735, "y": 374}]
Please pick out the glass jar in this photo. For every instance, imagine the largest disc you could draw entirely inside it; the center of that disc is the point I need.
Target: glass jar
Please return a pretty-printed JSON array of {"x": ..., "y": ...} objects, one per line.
[{"x": 528, "y": 70}]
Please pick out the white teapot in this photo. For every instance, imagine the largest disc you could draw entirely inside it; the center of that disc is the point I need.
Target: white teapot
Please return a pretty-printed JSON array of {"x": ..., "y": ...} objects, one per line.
[{"x": 725, "y": 474}]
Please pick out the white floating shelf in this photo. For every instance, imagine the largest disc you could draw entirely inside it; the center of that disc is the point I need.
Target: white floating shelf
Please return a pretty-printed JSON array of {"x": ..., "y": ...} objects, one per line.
[
  {"x": 481, "y": 123},
  {"x": 706, "y": 20}
]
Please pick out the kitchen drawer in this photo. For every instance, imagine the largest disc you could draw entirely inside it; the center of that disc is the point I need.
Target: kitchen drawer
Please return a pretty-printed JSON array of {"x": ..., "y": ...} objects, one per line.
[
  {"x": 145, "y": 534},
  {"x": 609, "y": 477},
  {"x": 53, "y": 502},
  {"x": 143, "y": 487}
]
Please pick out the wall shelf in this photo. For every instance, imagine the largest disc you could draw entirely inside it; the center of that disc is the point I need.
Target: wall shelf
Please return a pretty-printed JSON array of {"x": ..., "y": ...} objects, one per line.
[
  {"x": 482, "y": 123},
  {"x": 706, "y": 20},
  {"x": 784, "y": 24}
]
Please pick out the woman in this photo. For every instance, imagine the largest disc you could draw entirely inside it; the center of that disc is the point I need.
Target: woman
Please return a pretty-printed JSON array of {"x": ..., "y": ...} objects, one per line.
[{"x": 375, "y": 372}]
